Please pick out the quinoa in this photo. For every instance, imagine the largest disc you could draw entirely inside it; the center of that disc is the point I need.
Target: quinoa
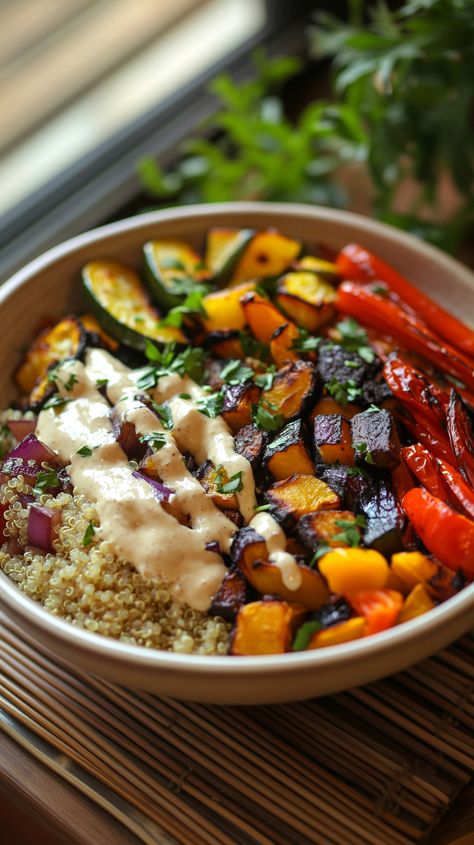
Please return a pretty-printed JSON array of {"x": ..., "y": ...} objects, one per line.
[{"x": 94, "y": 589}]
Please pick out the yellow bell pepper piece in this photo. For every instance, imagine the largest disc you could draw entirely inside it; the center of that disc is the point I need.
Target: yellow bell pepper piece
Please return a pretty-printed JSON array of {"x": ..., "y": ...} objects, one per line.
[
  {"x": 419, "y": 601},
  {"x": 349, "y": 571},
  {"x": 223, "y": 308},
  {"x": 352, "y": 629},
  {"x": 412, "y": 568}
]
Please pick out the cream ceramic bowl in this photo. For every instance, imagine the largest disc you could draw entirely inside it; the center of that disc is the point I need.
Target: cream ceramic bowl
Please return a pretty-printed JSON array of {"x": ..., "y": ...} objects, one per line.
[{"x": 50, "y": 286}]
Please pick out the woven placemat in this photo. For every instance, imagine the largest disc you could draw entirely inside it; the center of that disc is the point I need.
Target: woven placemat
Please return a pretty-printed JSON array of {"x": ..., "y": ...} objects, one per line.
[{"x": 378, "y": 765}]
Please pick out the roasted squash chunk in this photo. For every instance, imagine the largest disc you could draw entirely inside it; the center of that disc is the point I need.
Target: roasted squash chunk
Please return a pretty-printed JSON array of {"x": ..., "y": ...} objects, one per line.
[
  {"x": 64, "y": 340},
  {"x": 223, "y": 308},
  {"x": 328, "y": 405},
  {"x": 375, "y": 439},
  {"x": 281, "y": 344},
  {"x": 225, "y": 344},
  {"x": 307, "y": 299},
  {"x": 261, "y": 316},
  {"x": 294, "y": 388},
  {"x": 92, "y": 327},
  {"x": 344, "y": 632},
  {"x": 265, "y": 627},
  {"x": 269, "y": 253},
  {"x": 238, "y": 402},
  {"x": 297, "y": 495},
  {"x": 332, "y": 440},
  {"x": 230, "y": 597},
  {"x": 212, "y": 479},
  {"x": 250, "y": 442},
  {"x": 287, "y": 453},
  {"x": 325, "y": 269},
  {"x": 326, "y": 528}
]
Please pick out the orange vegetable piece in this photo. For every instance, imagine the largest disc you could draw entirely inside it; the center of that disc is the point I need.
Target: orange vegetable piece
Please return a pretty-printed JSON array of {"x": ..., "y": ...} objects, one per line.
[
  {"x": 328, "y": 405},
  {"x": 266, "y": 627},
  {"x": 350, "y": 571},
  {"x": 417, "y": 602},
  {"x": 380, "y": 608},
  {"x": 262, "y": 317},
  {"x": 344, "y": 632},
  {"x": 281, "y": 344},
  {"x": 413, "y": 568}
]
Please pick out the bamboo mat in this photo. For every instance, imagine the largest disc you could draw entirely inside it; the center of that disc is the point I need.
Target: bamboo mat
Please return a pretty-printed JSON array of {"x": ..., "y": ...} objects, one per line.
[{"x": 378, "y": 765}]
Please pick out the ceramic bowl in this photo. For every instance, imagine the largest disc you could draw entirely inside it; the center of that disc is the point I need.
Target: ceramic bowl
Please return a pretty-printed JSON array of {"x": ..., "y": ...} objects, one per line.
[{"x": 49, "y": 286}]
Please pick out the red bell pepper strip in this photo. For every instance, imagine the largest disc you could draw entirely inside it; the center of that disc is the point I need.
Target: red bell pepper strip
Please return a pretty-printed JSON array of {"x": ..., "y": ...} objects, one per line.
[
  {"x": 459, "y": 492},
  {"x": 358, "y": 264},
  {"x": 380, "y": 608},
  {"x": 425, "y": 469},
  {"x": 402, "y": 479},
  {"x": 448, "y": 535},
  {"x": 384, "y": 314},
  {"x": 461, "y": 436},
  {"x": 413, "y": 389}
]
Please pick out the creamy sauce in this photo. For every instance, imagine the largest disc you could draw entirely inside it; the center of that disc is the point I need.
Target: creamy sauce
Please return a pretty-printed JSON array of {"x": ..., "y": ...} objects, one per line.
[
  {"x": 275, "y": 540},
  {"x": 131, "y": 518}
]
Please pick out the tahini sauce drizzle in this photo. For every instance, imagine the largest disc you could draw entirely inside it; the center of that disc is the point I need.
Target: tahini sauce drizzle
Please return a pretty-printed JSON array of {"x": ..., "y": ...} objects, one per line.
[{"x": 131, "y": 518}]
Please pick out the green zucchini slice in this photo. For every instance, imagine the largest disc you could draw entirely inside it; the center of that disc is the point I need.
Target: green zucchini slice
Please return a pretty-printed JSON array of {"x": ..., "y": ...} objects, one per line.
[
  {"x": 172, "y": 270},
  {"x": 224, "y": 248},
  {"x": 119, "y": 301}
]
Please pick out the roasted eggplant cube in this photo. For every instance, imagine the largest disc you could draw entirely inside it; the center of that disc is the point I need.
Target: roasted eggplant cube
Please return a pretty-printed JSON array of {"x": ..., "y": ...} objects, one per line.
[
  {"x": 332, "y": 440},
  {"x": 250, "y": 442},
  {"x": 335, "y": 362},
  {"x": 375, "y": 439},
  {"x": 348, "y": 482},
  {"x": 385, "y": 521},
  {"x": 212, "y": 478},
  {"x": 333, "y": 612},
  {"x": 237, "y": 407},
  {"x": 230, "y": 597},
  {"x": 266, "y": 627},
  {"x": 323, "y": 528},
  {"x": 297, "y": 495},
  {"x": 287, "y": 453},
  {"x": 376, "y": 392},
  {"x": 295, "y": 388}
]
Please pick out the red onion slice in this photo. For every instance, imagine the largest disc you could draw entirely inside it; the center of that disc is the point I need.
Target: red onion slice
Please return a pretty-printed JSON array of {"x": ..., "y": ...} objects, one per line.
[
  {"x": 162, "y": 492},
  {"x": 31, "y": 449},
  {"x": 21, "y": 428},
  {"x": 126, "y": 436},
  {"x": 13, "y": 467},
  {"x": 42, "y": 523}
]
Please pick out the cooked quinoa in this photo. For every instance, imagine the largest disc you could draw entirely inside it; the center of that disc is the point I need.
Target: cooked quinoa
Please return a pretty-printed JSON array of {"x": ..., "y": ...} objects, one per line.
[{"x": 92, "y": 588}]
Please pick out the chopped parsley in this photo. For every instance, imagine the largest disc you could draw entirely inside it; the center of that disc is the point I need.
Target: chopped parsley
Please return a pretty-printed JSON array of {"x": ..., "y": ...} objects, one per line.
[
  {"x": 261, "y": 508},
  {"x": 265, "y": 380},
  {"x": 305, "y": 342},
  {"x": 46, "y": 480},
  {"x": 192, "y": 305},
  {"x": 88, "y": 535},
  {"x": 350, "y": 534},
  {"x": 253, "y": 348},
  {"x": 56, "y": 402},
  {"x": 381, "y": 290},
  {"x": 234, "y": 372},
  {"x": 211, "y": 406},
  {"x": 361, "y": 449},
  {"x": 84, "y": 452},
  {"x": 184, "y": 396},
  {"x": 101, "y": 382},
  {"x": 265, "y": 419},
  {"x": 156, "y": 439},
  {"x": 372, "y": 409},
  {"x": 354, "y": 339},
  {"x": 343, "y": 392},
  {"x": 233, "y": 485},
  {"x": 165, "y": 415},
  {"x": 167, "y": 361},
  {"x": 304, "y": 634},
  {"x": 53, "y": 376}
]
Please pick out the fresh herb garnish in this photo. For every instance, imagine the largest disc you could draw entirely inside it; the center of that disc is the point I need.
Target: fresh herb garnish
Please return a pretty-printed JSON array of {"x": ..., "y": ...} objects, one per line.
[
  {"x": 88, "y": 535},
  {"x": 304, "y": 634},
  {"x": 138, "y": 319},
  {"x": 343, "y": 392},
  {"x": 349, "y": 534},
  {"x": 372, "y": 409},
  {"x": 266, "y": 419},
  {"x": 305, "y": 342},
  {"x": 156, "y": 439},
  {"x": 54, "y": 377},
  {"x": 234, "y": 372},
  {"x": 165, "y": 415},
  {"x": 168, "y": 262},
  {"x": 184, "y": 395},
  {"x": 192, "y": 305},
  {"x": 353, "y": 365},
  {"x": 354, "y": 339},
  {"x": 323, "y": 550},
  {"x": 261, "y": 508},
  {"x": 165, "y": 362},
  {"x": 101, "y": 382},
  {"x": 84, "y": 452},
  {"x": 46, "y": 480},
  {"x": 211, "y": 405},
  {"x": 381, "y": 290},
  {"x": 265, "y": 380},
  {"x": 364, "y": 452},
  {"x": 56, "y": 401},
  {"x": 233, "y": 485},
  {"x": 253, "y": 348}
]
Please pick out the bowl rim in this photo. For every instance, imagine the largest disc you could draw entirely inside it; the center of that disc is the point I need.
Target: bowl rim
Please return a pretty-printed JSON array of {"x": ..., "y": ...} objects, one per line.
[{"x": 146, "y": 658}]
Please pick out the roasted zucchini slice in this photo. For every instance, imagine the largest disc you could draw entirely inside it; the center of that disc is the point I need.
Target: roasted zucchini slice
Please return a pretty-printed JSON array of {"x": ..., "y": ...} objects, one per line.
[
  {"x": 64, "y": 340},
  {"x": 294, "y": 389},
  {"x": 224, "y": 248},
  {"x": 96, "y": 334},
  {"x": 172, "y": 269},
  {"x": 307, "y": 299},
  {"x": 119, "y": 301},
  {"x": 297, "y": 495},
  {"x": 269, "y": 253},
  {"x": 332, "y": 440},
  {"x": 224, "y": 309},
  {"x": 287, "y": 453},
  {"x": 375, "y": 439},
  {"x": 325, "y": 269},
  {"x": 265, "y": 627}
]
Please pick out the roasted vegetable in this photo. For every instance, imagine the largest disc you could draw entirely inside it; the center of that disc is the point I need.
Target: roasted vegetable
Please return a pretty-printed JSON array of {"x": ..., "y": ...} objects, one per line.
[
  {"x": 269, "y": 253},
  {"x": 250, "y": 442},
  {"x": 332, "y": 440},
  {"x": 224, "y": 344},
  {"x": 307, "y": 299},
  {"x": 385, "y": 520},
  {"x": 224, "y": 248},
  {"x": 96, "y": 335},
  {"x": 327, "y": 528},
  {"x": 230, "y": 597},
  {"x": 350, "y": 571},
  {"x": 173, "y": 269},
  {"x": 344, "y": 632},
  {"x": 261, "y": 316},
  {"x": 294, "y": 389},
  {"x": 328, "y": 405},
  {"x": 223, "y": 308},
  {"x": 349, "y": 483},
  {"x": 446, "y": 534},
  {"x": 297, "y": 495},
  {"x": 440, "y": 478},
  {"x": 281, "y": 344},
  {"x": 380, "y": 608},
  {"x": 336, "y": 364},
  {"x": 64, "y": 340},
  {"x": 375, "y": 439},
  {"x": 416, "y": 603},
  {"x": 287, "y": 453},
  {"x": 238, "y": 402},
  {"x": 213, "y": 479},
  {"x": 461, "y": 436},
  {"x": 265, "y": 627},
  {"x": 325, "y": 269},
  {"x": 119, "y": 301}
]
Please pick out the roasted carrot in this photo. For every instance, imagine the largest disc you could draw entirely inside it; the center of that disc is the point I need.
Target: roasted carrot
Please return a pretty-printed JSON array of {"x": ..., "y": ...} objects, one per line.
[{"x": 446, "y": 534}]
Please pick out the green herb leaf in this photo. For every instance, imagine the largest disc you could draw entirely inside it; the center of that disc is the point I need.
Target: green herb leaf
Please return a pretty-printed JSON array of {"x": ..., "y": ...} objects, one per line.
[
  {"x": 233, "y": 485},
  {"x": 101, "y": 382},
  {"x": 253, "y": 348},
  {"x": 46, "y": 480},
  {"x": 265, "y": 419},
  {"x": 88, "y": 535},
  {"x": 304, "y": 634},
  {"x": 84, "y": 452},
  {"x": 354, "y": 339},
  {"x": 188, "y": 362},
  {"x": 211, "y": 405},
  {"x": 265, "y": 380},
  {"x": 350, "y": 534},
  {"x": 261, "y": 508},
  {"x": 343, "y": 392},
  {"x": 151, "y": 351},
  {"x": 234, "y": 372},
  {"x": 56, "y": 401},
  {"x": 156, "y": 439},
  {"x": 185, "y": 396},
  {"x": 165, "y": 415},
  {"x": 305, "y": 342},
  {"x": 363, "y": 451}
]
